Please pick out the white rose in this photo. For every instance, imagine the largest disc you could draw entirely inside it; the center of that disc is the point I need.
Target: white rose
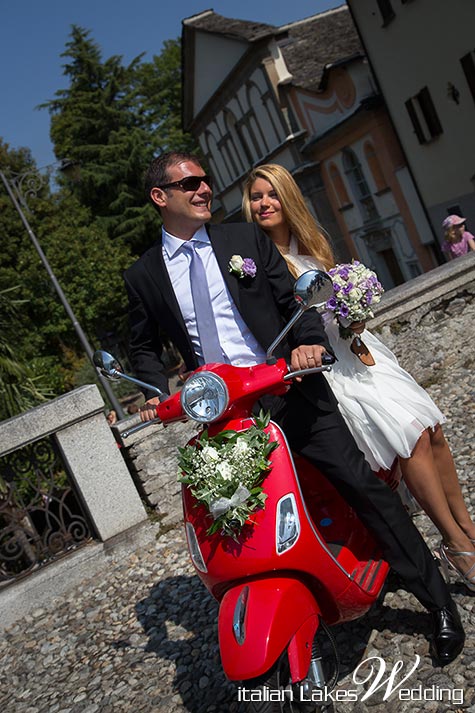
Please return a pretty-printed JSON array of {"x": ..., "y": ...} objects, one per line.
[
  {"x": 225, "y": 471},
  {"x": 209, "y": 454},
  {"x": 355, "y": 294},
  {"x": 241, "y": 446},
  {"x": 236, "y": 263}
]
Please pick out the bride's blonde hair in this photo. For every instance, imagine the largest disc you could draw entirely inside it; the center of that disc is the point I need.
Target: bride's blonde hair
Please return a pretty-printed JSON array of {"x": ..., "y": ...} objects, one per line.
[{"x": 302, "y": 224}]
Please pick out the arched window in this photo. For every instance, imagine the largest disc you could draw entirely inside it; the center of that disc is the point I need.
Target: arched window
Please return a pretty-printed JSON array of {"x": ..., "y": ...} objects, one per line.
[
  {"x": 359, "y": 186},
  {"x": 339, "y": 186},
  {"x": 375, "y": 167},
  {"x": 236, "y": 144}
]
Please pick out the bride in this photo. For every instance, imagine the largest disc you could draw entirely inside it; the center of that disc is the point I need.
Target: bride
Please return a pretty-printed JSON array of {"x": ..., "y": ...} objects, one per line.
[{"x": 388, "y": 413}]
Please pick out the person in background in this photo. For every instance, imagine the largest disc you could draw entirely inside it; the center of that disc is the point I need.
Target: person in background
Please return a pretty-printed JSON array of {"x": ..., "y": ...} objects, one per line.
[
  {"x": 187, "y": 285},
  {"x": 388, "y": 413},
  {"x": 458, "y": 241}
]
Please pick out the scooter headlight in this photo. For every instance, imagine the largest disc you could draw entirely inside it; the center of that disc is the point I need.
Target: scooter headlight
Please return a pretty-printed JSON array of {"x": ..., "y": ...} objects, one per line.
[{"x": 204, "y": 397}]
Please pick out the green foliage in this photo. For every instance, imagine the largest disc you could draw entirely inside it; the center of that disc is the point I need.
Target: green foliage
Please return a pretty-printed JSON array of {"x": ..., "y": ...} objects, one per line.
[
  {"x": 20, "y": 388},
  {"x": 110, "y": 119},
  {"x": 159, "y": 92},
  {"x": 87, "y": 266}
]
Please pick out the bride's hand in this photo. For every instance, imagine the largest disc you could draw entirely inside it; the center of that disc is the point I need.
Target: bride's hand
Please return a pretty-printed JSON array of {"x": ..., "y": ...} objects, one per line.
[{"x": 357, "y": 327}]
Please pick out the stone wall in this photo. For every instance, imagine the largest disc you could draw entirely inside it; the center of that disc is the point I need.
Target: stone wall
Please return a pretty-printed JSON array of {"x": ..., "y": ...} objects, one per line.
[
  {"x": 151, "y": 455},
  {"x": 427, "y": 322}
]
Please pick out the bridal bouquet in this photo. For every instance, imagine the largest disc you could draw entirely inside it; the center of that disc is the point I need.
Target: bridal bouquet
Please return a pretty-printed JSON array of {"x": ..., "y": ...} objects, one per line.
[
  {"x": 356, "y": 289},
  {"x": 225, "y": 474}
]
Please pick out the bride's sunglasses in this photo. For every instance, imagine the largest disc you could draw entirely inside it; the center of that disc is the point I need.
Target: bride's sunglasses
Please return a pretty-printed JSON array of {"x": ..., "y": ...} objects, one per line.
[{"x": 190, "y": 183}]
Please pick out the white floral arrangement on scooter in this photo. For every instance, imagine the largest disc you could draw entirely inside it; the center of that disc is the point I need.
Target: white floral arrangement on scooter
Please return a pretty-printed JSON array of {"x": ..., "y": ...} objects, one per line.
[{"x": 225, "y": 473}]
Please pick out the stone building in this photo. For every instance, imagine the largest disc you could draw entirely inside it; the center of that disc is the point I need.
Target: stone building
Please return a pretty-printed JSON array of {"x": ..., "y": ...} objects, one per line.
[
  {"x": 423, "y": 57},
  {"x": 302, "y": 95}
]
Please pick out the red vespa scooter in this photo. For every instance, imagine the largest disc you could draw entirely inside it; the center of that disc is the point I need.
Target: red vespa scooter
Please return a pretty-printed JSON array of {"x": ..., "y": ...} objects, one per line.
[{"x": 301, "y": 563}]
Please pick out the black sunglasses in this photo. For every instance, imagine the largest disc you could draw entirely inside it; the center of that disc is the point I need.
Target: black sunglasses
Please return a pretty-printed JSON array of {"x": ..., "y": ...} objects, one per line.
[{"x": 190, "y": 183}]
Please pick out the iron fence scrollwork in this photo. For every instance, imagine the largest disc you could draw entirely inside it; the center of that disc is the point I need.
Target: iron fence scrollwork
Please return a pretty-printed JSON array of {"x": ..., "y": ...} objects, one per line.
[{"x": 41, "y": 517}]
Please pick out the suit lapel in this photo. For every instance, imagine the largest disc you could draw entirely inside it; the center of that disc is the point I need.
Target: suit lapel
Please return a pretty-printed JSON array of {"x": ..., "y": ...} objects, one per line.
[
  {"x": 220, "y": 244},
  {"x": 155, "y": 266}
]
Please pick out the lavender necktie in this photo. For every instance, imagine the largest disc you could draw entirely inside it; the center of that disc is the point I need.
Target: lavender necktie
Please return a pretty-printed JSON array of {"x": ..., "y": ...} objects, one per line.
[{"x": 205, "y": 322}]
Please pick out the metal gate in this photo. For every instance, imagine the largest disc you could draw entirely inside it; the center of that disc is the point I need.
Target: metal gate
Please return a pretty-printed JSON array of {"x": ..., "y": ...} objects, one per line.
[{"x": 41, "y": 517}]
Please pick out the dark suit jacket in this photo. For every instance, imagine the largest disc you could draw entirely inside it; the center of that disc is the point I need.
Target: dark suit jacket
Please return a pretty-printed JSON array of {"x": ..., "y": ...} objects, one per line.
[{"x": 265, "y": 302}]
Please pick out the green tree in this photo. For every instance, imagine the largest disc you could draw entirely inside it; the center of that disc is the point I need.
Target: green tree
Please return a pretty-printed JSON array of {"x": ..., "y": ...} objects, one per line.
[
  {"x": 159, "y": 93},
  {"x": 112, "y": 119},
  {"x": 87, "y": 265}
]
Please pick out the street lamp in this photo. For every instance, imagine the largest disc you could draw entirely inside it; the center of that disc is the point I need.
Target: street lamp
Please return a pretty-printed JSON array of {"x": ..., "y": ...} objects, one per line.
[{"x": 18, "y": 187}]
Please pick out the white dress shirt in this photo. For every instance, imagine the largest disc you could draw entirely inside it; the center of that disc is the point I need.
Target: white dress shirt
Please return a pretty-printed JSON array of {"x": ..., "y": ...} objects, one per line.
[{"x": 239, "y": 346}]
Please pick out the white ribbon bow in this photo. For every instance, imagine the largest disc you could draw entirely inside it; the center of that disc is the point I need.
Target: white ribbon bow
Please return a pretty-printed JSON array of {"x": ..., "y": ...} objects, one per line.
[{"x": 222, "y": 505}]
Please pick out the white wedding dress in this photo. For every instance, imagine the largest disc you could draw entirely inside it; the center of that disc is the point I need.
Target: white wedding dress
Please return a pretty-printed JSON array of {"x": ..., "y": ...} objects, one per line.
[{"x": 384, "y": 407}]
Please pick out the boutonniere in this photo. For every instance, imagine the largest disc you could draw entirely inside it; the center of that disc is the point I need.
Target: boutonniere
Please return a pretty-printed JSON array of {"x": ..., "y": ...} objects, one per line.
[{"x": 242, "y": 267}]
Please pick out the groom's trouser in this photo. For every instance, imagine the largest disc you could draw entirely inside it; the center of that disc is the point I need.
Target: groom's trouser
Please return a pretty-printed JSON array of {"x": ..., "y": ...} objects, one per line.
[{"x": 325, "y": 440}]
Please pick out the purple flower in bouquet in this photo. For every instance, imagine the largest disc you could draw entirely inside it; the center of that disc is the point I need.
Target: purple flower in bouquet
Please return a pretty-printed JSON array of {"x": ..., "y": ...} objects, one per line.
[{"x": 344, "y": 311}]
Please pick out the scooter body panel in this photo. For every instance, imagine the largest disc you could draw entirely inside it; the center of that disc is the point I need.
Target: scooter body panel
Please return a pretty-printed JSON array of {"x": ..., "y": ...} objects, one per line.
[
  {"x": 320, "y": 554},
  {"x": 259, "y": 619}
]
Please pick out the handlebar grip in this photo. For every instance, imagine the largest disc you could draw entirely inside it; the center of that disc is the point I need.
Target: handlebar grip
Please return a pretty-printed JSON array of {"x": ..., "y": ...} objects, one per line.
[{"x": 328, "y": 358}]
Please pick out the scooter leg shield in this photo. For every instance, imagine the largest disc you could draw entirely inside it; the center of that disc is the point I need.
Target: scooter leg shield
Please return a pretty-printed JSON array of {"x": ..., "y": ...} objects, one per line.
[{"x": 258, "y": 620}]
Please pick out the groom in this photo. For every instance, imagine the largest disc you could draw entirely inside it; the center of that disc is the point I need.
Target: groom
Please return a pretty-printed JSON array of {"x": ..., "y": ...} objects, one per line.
[{"x": 183, "y": 286}]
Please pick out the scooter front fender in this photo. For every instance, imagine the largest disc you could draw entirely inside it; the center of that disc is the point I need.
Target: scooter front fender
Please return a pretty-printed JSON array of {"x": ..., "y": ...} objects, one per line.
[{"x": 259, "y": 619}]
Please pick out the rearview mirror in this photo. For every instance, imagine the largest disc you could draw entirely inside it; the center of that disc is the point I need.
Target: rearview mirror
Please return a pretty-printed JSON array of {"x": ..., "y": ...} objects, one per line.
[
  {"x": 108, "y": 365},
  {"x": 313, "y": 289}
]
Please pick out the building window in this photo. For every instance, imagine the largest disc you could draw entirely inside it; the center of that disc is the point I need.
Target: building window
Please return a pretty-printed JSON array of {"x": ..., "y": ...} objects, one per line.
[
  {"x": 235, "y": 147},
  {"x": 360, "y": 188},
  {"x": 468, "y": 66},
  {"x": 375, "y": 167},
  {"x": 424, "y": 116},
  {"x": 386, "y": 10},
  {"x": 339, "y": 186}
]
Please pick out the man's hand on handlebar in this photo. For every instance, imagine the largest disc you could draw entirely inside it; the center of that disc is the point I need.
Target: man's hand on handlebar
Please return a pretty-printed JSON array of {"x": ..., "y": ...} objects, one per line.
[
  {"x": 306, "y": 357},
  {"x": 149, "y": 410}
]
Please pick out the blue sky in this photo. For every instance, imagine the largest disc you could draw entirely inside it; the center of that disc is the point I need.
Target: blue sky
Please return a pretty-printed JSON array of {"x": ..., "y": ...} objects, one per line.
[{"x": 33, "y": 34}]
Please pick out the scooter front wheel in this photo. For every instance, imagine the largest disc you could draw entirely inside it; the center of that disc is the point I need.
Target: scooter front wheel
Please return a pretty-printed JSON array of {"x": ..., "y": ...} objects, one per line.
[{"x": 274, "y": 693}]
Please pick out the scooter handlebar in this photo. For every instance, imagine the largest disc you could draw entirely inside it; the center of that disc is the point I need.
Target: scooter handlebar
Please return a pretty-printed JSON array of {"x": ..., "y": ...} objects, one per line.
[
  {"x": 327, "y": 361},
  {"x": 134, "y": 429}
]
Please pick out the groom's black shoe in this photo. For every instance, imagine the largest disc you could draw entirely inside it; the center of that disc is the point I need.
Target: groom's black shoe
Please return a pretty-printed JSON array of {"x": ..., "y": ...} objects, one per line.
[{"x": 449, "y": 636}]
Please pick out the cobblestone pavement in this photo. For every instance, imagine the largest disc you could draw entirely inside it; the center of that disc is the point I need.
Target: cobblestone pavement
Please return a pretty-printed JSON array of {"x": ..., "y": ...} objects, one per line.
[{"x": 143, "y": 639}]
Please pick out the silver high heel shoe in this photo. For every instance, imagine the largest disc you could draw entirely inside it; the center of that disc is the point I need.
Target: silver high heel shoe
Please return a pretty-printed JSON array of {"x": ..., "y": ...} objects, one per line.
[{"x": 447, "y": 565}]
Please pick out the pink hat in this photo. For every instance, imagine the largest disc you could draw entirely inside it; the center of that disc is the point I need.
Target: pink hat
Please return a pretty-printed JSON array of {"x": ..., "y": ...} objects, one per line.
[{"x": 453, "y": 220}]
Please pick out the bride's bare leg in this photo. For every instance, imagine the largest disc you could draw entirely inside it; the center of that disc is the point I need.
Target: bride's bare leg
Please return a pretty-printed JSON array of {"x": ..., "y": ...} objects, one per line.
[
  {"x": 422, "y": 478},
  {"x": 448, "y": 477}
]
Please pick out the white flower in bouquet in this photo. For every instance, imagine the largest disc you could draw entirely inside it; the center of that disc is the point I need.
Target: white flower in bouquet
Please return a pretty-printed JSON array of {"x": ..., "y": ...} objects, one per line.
[
  {"x": 209, "y": 454},
  {"x": 225, "y": 470}
]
